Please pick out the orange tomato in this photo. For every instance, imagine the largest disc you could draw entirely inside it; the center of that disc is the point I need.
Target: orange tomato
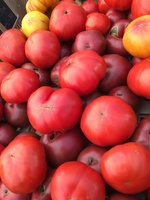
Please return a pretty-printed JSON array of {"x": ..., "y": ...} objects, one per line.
[{"x": 136, "y": 38}]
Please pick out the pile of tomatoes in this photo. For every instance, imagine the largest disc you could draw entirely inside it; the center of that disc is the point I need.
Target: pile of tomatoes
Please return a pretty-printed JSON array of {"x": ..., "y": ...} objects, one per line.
[{"x": 72, "y": 124}]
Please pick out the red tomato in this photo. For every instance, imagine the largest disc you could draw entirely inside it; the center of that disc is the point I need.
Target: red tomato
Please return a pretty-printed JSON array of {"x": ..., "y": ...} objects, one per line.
[
  {"x": 119, "y": 5},
  {"x": 133, "y": 39},
  {"x": 5, "y": 68},
  {"x": 143, "y": 8},
  {"x": 102, "y": 6},
  {"x": 126, "y": 167},
  {"x": 43, "y": 54},
  {"x": 67, "y": 20},
  {"x": 98, "y": 21},
  {"x": 18, "y": 84},
  {"x": 82, "y": 71},
  {"x": 76, "y": 180},
  {"x": 12, "y": 47},
  {"x": 25, "y": 159},
  {"x": 90, "y": 6},
  {"x": 50, "y": 110},
  {"x": 138, "y": 78},
  {"x": 108, "y": 121}
]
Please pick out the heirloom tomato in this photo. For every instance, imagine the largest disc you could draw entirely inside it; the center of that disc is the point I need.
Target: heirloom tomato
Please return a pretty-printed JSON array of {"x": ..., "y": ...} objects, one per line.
[
  {"x": 108, "y": 121},
  {"x": 67, "y": 20},
  {"x": 126, "y": 167},
  {"x": 136, "y": 38},
  {"x": 138, "y": 78},
  {"x": 143, "y": 8},
  {"x": 82, "y": 71},
  {"x": 50, "y": 110},
  {"x": 76, "y": 180},
  {"x": 119, "y": 5},
  {"x": 18, "y": 84},
  {"x": 23, "y": 165}
]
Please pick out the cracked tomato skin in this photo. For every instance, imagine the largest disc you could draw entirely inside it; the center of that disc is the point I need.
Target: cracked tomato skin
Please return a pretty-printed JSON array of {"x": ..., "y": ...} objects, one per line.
[
  {"x": 23, "y": 165},
  {"x": 126, "y": 167},
  {"x": 75, "y": 180}
]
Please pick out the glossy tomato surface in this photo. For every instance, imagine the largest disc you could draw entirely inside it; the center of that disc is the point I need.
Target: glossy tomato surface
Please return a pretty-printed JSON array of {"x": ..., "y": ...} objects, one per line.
[
  {"x": 50, "y": 110},
  {"x": 81, "y": 182},
  {"x": 126, "y": 167},
  {"x": 133, "y": 39},
  {"x": 25, "y": 158},
  {"x": 138, "y": 78},
  {"x": 108, "y": 121},
  {"x": 82, "y": 71},
  {"x": 67, "y": 20}
]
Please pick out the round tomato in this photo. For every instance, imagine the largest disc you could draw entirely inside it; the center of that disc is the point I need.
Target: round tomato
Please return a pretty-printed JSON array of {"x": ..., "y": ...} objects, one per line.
[
  {"x": 67, "y": 20},
  {"x": 23, "y": 165},
  {"x": 50, "y": 110},
  {"x": 126, "y": 167},
  {"x": 81, "y": 182},
  {"x": 133, "y": 39},
  {"x": 93, "y": 19},
  {"x": 119, "y": 5},
  {"x": 18, "y": 84},
  {"x": 102, "y": 6},
  {"x": 143, "y": 8},
  {"x": 108, "y": 121},
  {"x": 12, "y": 47},
  {"x": 43, "y": 54},
  {"x": 82, "y": 71},
  {"x": 138, "y": 78}
]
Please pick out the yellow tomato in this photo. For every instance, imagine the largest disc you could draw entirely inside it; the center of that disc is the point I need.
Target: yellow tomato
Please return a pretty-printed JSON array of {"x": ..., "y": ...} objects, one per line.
[
  {"x": 44, "y": 6},
  {"x": 136, "y": 39},
  {"x": 34, "y": 20}
]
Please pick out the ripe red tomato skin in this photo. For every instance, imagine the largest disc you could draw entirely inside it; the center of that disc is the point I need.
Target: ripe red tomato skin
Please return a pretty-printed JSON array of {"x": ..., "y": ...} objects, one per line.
[
  {"x": 25, "y": 158},
  {"x": 120, "y": 173},
  {"x": 49, "y": 54},
  {"x": 5, "y": 68},
  {"x": 112, "y": 114},
  {"x": 90, "y": 6},
  {"x": 46, "y": 113},
  {"x": 15, "y": 41},
  {"x": 138, "y": 78},
  {"x": 16, "y": 81},
  {"x": 64, "y": 28},
  {"x": 92, "y": 22},
  {"x": 119, "y": 5},
  {"x": 102, "y": 6},
  {"x": 75, "y": 68},
  {"x": 143, "y": 8},
  {"x": 76, "y": 174}
]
